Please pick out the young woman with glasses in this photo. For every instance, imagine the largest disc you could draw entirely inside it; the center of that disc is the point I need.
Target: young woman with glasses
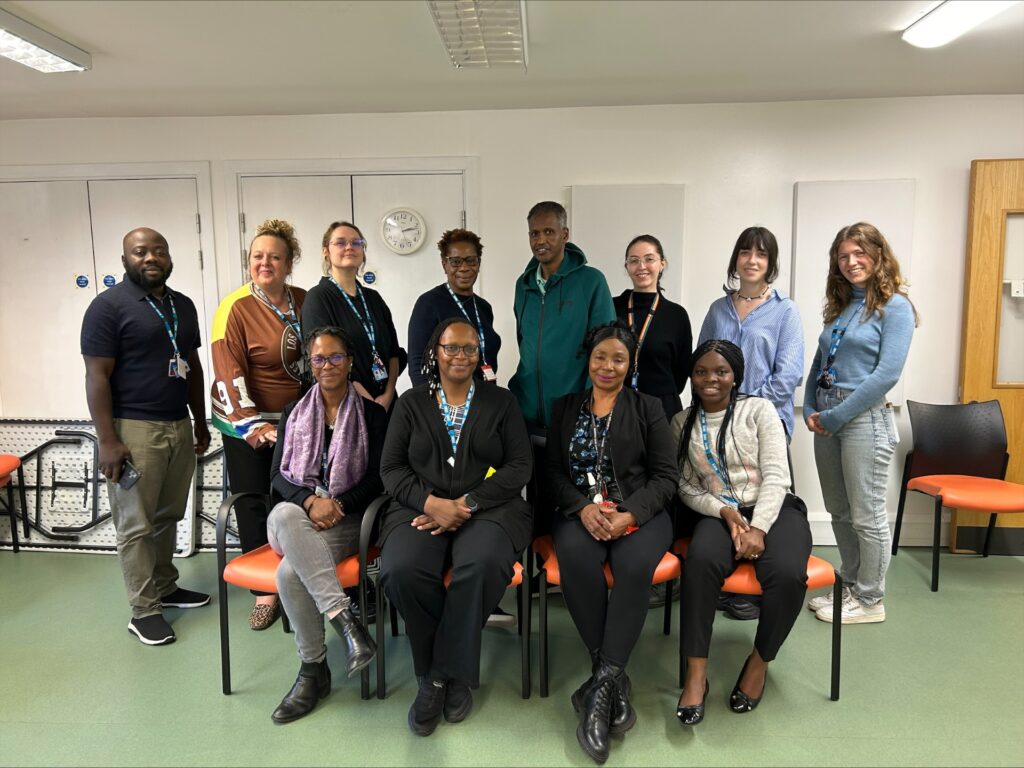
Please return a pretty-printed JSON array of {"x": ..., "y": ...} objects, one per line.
[
  {"x": 339, "y": 299},
  {"x": 461, "y": 254}
]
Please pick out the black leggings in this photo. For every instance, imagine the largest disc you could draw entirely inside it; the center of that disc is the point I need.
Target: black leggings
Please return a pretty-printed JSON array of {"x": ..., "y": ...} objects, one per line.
[
  {"x": 610, "y": 621},
  {"x": 249, "y": 470},
  {"x": 781, "y": 569}
]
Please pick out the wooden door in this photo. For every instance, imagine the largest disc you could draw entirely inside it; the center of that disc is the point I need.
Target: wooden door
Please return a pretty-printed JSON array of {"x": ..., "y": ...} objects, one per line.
[{"x": 989, "y": 330}]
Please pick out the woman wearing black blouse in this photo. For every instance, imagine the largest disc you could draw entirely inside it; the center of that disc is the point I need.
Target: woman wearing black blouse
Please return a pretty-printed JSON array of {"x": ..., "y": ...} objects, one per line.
[
  {"x": 456, "y": 458},
  {"x": 662, "y": 327},
  {"x": 612, "y": 473},
  {"x": 340, "y": 300}
]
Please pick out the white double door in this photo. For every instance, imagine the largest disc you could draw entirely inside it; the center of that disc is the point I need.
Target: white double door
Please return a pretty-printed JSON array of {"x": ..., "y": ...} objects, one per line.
[
  {"x": 312, "y": 203},
  {"x": 60, "y": 245}
]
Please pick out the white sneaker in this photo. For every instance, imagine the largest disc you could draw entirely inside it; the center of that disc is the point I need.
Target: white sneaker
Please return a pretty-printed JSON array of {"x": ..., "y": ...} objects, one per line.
[
  {"x": 817, "y": 603},
  {"x": 854, "y": 612}
]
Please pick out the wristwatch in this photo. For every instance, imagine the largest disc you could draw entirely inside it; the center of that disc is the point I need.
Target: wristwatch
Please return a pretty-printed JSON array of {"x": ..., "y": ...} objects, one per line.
[{"x": 471, "y": 503}]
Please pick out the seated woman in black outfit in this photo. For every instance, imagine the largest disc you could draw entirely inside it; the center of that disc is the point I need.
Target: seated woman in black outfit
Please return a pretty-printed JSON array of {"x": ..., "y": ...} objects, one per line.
[
  {"x": 734, "y": 472},
  {"x": 325, "y": 471},
  {"x": 612, "y": 472},
  {"x": 456, "y": 458}
]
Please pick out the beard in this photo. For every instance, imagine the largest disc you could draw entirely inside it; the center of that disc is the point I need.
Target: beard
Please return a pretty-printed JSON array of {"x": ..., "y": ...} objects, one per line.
[{"x": 137, "y": 276}]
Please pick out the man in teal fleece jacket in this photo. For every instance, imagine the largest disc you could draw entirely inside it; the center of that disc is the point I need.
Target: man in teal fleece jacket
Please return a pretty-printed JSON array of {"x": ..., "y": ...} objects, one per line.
[{"x": 558, "y": 299}]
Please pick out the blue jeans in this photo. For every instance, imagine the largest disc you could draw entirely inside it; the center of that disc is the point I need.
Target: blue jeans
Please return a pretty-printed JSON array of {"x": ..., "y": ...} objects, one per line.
[{"x": 853, "y": 468}]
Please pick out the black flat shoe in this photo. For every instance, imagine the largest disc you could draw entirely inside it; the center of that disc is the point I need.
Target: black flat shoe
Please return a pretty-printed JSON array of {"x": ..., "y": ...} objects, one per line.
[
  {"x": 692, "y": 715},
  {"x": 739, "y": 702}
]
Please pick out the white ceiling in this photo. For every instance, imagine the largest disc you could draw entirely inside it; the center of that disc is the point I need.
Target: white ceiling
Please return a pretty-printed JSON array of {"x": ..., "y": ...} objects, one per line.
[{"x": 161, "y": 58}]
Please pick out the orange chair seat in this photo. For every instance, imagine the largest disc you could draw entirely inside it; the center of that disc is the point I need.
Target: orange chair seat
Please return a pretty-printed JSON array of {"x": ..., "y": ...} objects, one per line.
[
  {"x": 743, "y": 580},
  {"x": 8, "y": 463},
  {"x": 983, "y": 494},
  {"x": 258, "y": 569},
  {"x": 517, "y": 576},
  {"x": 544, "y": 546}
]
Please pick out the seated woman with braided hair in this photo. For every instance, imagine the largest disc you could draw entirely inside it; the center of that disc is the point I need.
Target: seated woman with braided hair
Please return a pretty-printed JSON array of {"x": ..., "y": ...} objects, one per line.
[
  {"x": 734, "y": 471},
  {"x": 456, "y": 458}
]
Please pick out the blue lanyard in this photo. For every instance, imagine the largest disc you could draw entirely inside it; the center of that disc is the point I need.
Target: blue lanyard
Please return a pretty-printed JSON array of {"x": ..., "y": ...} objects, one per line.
[
  {"x": 449, "y": 418},
  {"x": 711, "y": 459},
  {"x": 368, "y": 322},
  {"x": 838, "y": 334},
  {"x": 171, "y": 334},
  {"x": 479, "y": 325},
  {"x": 292, "y": 319}
]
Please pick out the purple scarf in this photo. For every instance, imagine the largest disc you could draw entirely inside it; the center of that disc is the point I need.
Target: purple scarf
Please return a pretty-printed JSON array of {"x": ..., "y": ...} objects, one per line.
[{"x": 348, "y": 454}]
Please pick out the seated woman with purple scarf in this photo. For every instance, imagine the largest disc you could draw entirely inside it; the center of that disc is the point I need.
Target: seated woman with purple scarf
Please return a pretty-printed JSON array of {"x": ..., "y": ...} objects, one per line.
[{"x": 326, "y": 471}]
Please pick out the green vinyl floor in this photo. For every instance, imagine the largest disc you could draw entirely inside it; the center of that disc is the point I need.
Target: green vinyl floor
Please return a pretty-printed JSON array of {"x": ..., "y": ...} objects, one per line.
[{"x": 940, "y": 682}]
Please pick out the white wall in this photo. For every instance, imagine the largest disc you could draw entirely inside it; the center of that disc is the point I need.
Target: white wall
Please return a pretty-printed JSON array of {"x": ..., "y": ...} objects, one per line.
[{"x": 738, "y": 161}]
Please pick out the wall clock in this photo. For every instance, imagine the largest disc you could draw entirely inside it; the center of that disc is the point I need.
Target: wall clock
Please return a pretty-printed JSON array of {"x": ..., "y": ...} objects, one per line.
[{"x": 403, "y": 230}]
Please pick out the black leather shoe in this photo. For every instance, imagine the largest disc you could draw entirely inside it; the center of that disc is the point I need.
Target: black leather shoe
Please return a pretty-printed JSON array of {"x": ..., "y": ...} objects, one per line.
[
  {"x": 358, "y": 644},
  {"x": 739, "y": 702},
  {"x": 312, "y": 684},
  {"x": 743, "y": 607},
  {"x": 458, "y": 700},
  {"x": 426, "y": 709},
  {"x": 592, "y": 732},
  {"x": 623, "y": 714},
  {"x": 691, "y": 715}
]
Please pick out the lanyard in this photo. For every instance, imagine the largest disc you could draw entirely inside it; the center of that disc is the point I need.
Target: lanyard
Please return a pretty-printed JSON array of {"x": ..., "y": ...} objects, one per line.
[
  {"x": 599, "y": 448},
  {"x": 643, "y": 331},
  {"x": 292, "y": 320},
  {"x": 837, "y": 336},
  {"x": 171, "y": 334},
  {"x": 368, "y": 322},
  {"x": 711, "y": 459},
  {"x": 448, "y": 412},
  {"x": 479, "y": 325}
]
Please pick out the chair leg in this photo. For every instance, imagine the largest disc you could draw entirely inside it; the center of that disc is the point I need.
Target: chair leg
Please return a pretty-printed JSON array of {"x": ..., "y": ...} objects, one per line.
[
  {"x": 381, "y": 689},
  {"x": 394, "y": 619},
  {"x": 14, "y": 516},
  {"x": 364, "y": 673},
  {"x": 899, "y": 507},
  {"x": 984, "y": 552},
  {"x": 286, "y": 625},
  {"x": 837, "y": 634},
  {"x": 935, "y": 544},
  {"x": 523, "y": 593},
  {"x": 682, "y": 658},
  {"x": 542, "y": 589},
  {"x": 225, "y": 649},
  {"x": 667, "y": 622}
]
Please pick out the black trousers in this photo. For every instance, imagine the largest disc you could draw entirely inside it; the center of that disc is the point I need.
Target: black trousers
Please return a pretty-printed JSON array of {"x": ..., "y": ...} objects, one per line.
[
  {"x": 249, "y": 470},
  {"x": 781, "y": 569},
  {"x": 610, "y": 621},
  {"x": 445, "y": 625}
]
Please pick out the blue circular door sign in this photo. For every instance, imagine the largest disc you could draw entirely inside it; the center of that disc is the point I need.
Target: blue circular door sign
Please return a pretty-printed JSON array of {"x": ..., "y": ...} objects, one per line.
[
  {"x": 109, "y": 281},
  {"x": 370, "y": 278},
  {"x": 82, "y": 281}
]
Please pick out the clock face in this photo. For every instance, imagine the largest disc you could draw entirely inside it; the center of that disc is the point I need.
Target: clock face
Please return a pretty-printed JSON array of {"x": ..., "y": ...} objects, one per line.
[{"x": 403, "y": 230}]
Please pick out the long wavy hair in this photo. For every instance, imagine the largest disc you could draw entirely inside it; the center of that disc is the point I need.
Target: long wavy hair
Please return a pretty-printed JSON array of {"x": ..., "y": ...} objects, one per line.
[
  {"x": 429, "y": 368},
  {"x": 886, "y": 279}
]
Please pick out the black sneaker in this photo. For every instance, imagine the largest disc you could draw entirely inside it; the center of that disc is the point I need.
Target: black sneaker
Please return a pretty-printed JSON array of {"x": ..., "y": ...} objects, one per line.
[
  {"x": 425, "y": 712},
  {"x": 458, "y": 700},
  {"x": 152, "y": 630},
  {"x": 743, "y": 607},
  {"x": 501, "y": 618},
  {"x": 184, "y": 598}
]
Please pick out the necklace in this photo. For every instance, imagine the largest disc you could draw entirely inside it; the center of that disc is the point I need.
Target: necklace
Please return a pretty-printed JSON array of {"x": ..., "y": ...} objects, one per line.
[{"x": 754, "y": 298}]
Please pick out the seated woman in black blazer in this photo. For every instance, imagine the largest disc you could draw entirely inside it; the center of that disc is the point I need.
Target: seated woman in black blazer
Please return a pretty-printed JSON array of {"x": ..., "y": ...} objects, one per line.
[
  {"x": 455, "y": 461},
  {"x": 612, "y": 472}
]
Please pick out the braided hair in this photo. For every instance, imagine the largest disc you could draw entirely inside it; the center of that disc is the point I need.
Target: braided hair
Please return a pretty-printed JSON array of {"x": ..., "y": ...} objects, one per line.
[
  {"x": 733, "y": 355},
  {"x": 429, "y": 368}
]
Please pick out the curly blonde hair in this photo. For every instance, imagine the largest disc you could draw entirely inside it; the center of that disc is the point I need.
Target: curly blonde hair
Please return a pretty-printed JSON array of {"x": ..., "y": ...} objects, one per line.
[
  {"x": 283, "y": 231},
  {"x": 885, "y": 280}
]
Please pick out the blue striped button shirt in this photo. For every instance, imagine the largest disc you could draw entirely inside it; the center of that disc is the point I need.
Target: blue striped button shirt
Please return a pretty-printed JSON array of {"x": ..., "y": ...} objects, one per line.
[{"x": 772, "y": 340}]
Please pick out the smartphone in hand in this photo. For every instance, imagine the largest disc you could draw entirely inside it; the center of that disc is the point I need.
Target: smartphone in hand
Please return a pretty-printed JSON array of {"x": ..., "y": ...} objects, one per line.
[{"x": 129, "y": 475}]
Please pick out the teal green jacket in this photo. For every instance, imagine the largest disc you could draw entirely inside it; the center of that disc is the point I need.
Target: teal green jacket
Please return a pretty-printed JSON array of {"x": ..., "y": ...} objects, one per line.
[{"x": 550, "y": 329}]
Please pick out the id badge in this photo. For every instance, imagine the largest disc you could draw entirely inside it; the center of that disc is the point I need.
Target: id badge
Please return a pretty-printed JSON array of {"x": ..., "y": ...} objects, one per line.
[
  {"x": 321, "y": 492},
  {"x": 489, "y": 374},
  {"x": 634, "y": 381},
  {"x": 380, "y": 373},
  {"x": 172, "y": 368},
  {"x": 181, "y": 367}
]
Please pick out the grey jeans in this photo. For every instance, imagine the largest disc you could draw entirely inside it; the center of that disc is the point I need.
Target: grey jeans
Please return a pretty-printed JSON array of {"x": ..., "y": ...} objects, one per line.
[
  {"x": 853, "y": 467},
  {"x": 307, "y": 581}
]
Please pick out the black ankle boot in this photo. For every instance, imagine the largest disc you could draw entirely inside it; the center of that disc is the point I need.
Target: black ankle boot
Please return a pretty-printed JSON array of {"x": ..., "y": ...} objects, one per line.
[
  {"x": 312, "y": 684},
  {"x": 623, "y": 714},
  {"x": 592, "y": 732},
  {"x": 580, "y": 693},
  {"x": 358, "y": 644}
]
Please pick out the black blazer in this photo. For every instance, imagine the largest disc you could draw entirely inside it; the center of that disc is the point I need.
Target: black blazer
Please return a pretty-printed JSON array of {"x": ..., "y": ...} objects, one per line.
[
  {"x": 356, "y": 499},
  {"x": 643, "y": 456},
  {"x": 417, "y": 448}
]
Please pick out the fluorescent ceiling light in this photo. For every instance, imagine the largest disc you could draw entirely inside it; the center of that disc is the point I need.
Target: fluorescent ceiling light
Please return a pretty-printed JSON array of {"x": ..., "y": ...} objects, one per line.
[
  {"x": 34, "y": 47},
  {"x": 951, "y": 19},
  {"x": 482, "y": 33}
]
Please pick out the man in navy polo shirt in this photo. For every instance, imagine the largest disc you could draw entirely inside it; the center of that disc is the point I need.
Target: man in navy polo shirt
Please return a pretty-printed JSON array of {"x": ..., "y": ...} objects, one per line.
[{"x": 142, "y": 376}]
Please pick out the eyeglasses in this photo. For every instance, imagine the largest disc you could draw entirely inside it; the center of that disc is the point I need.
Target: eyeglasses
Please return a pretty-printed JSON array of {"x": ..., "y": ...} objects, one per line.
[
  {"x": 457, "y": 261},
  {"x": 341, "y": 242},
  {"x": 469, "y": 350},
  {"x": 648, "y": 260},
  {"x": 319, "y": 361}
]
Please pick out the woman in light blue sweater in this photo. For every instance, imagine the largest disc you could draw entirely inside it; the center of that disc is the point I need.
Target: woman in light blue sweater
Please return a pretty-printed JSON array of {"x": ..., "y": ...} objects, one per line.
[{"x": 869, "y": 322}]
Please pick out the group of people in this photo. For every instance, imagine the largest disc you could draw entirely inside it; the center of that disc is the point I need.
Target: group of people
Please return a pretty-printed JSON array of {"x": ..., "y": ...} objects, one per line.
[{"x": 304, "y": 394}]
